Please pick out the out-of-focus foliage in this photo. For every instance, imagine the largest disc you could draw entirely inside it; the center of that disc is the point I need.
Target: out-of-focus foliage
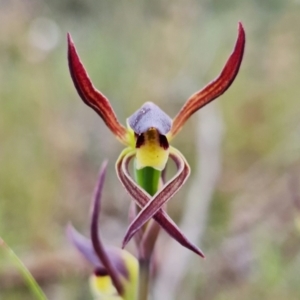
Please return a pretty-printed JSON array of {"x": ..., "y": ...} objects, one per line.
[{"x": 51, "y": 144}]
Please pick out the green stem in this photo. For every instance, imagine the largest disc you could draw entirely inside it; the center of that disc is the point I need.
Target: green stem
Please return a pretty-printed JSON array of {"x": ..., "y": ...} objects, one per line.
[
  {"x": 148, "y": 179},
  {"x": 32, "y": 284},
  {"x": 144, "y": 278}
]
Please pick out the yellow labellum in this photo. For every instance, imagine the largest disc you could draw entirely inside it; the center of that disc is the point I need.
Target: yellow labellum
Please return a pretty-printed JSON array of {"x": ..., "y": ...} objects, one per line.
[
  {"x": 151, "y": 153},
  {"x": 103, "y": 288},
  {"x": 131, "y": 284}
]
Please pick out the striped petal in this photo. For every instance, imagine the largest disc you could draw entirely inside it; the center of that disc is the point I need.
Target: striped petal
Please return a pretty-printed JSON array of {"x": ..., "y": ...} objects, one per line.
[
  {"x": 85, "y": 247},
  {"x": 149, "y": 239},
  {"x": 163, "y": 195},
  {"x": 144, "y": 239},
  {"x": 215, "y": 88},
  {"x": 110, "y": 266},
  {"x": 107, "y": 261},
  {"x": 101, "y": 282},
  {"x": 91, "y": 96},
  {"x": 141, "y": 198}
]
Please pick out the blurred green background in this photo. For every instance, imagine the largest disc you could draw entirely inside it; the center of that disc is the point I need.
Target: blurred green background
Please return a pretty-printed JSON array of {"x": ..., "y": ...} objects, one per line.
[{"x": 51, "y": 144}]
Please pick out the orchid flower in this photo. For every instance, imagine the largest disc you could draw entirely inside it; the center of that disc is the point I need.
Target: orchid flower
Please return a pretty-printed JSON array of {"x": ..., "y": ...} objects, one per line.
[
  {"x": 115, "y": 270},
  {"x": 147, "y": 138}
]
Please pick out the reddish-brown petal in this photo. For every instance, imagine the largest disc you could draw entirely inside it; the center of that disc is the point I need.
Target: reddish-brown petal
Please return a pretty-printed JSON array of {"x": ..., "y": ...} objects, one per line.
[
  {"x": 95, "y": 238},
  {"x": 131, "y": 216},
  {"x": 141, "y": 198},
  {"x": 162, "y": 196},
  {"x": 148, "y": 241},
  {"x": 91, "y": 96},
  {"x": 215, "y": 88},
  {"x": 85, "y": 247}
]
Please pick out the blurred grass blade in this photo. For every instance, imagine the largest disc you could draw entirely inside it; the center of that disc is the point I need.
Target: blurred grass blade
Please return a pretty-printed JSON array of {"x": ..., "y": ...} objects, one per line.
[{"x": 32, "y": 284}]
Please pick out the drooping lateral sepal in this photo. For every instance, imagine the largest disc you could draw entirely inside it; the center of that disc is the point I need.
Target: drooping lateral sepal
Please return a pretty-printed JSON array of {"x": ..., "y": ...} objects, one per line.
[
  {"x": 145, "y": 239},
  {"x": 101, "y": 282},
  {"x": 96, "y": 241},
  {"x": 163, "y": 195},
  {"x": 116, "y": 270},
  {"x": 91, "y": 96},
  {"x": 215, "y": 88},
  {"x": 85, "y": 248},
  {"x": 146, "y": 246},
  {"x": 141, "y": 197}
]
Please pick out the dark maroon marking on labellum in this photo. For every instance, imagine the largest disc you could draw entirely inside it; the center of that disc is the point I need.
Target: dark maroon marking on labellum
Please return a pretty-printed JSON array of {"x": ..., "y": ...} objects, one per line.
[
  {"x": 100, "y": 272},
  {"x": 163, "y": 142},
  {"x": 140, "y": 141}
]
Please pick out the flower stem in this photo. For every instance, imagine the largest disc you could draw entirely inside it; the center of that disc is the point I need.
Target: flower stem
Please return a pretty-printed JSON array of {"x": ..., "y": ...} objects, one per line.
[
  {"x": 144, "y": 278},
  {"x": 148, "y": 179}
]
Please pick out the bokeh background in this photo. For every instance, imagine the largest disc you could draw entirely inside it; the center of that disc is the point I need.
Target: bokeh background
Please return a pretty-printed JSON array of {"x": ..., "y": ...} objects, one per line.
[{"x": 52, "y": 145}]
